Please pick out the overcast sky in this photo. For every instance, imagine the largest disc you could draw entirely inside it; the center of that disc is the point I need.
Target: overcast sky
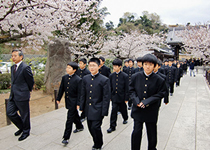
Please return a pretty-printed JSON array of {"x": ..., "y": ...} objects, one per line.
[{"x": 171, "y": 12}]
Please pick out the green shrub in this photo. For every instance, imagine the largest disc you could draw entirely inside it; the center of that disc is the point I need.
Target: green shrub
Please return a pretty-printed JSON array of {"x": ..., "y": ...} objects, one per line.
[
  {"x": 38, "y": 81},
  {"x": 5, "y": 80}
]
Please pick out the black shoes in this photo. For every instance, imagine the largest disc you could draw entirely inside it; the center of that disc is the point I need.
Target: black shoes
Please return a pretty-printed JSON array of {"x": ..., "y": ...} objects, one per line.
[
  {"x": 110, "y": 130},
  {"x": 93, "y": 148},
  {"x": 78, "y": 130},
  {"x": 65, "y": 141},
  {"x": 125, "y": 121},
  {"x": 18, "y": 132},
  {"x": 96, "y": 149},
  {"x": 23, "y": 136}
]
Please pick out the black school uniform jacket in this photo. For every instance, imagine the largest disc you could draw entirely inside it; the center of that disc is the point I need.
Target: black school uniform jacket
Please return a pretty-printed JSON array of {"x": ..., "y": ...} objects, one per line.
[
  {"x": 166, "y": 86},
  {"x": 149, "y": 90},
  {"x": 95, "y": 96},
  {"x": 104, "y": 70},
  {"x": 119, "y": 87},
  {"x": 71, "y": 86},
  {"x": 138, "y": 69},
  {"x": 179, "y": 72},
  {"x": 171, "y": 74},
  {"x": 81, "y": 73},
  {"x": 129, "y": 72}
]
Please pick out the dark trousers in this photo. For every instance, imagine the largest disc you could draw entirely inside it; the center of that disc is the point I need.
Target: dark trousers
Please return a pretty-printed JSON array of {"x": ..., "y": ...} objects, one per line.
[
  {"x": 178, "y": 81},
  {"x": 137, "y": 135},
  {"x": 82, "y": 116},
  {"x": 21, "y": 121},
  {"x": 122, "y": 107},
  {"x": 72, "y": 117},
  {"x": 94, "y": 127},
  {"x": 171, "y": 87},
  {"x": 130, "y": 102}
]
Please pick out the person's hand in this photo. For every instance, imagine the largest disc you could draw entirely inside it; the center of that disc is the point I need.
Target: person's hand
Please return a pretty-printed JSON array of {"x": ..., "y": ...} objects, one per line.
[
  {"x": 77, "y": 106},
  {"x": 126, "y": 101},
  {"x": 141, "y": 105},
  {"x": 166, "y": 103},
  {"x": 58, "y": 102}
]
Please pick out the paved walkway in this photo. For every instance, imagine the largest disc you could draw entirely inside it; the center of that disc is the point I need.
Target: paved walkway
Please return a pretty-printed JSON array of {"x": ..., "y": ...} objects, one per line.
[{"x": 184, "y": 124}]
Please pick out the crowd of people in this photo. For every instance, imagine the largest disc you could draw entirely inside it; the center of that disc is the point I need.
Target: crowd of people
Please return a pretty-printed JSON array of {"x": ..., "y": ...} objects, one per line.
[{"x": 139, "y": 89}]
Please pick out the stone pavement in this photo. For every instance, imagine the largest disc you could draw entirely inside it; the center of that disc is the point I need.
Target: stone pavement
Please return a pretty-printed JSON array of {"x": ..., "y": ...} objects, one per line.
[{"x": 184, "y": 124}]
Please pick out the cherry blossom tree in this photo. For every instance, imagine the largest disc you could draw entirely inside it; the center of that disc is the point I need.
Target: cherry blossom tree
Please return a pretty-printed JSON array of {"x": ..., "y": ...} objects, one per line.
[
  {"x": 131, "y": 45},
  {"x": 40, "y": 20},
  {"x": 196, "y": 40}
]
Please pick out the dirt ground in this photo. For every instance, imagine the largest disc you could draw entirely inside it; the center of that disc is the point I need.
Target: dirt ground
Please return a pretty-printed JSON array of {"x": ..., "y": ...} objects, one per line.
[{"x": 40, "y": 103}]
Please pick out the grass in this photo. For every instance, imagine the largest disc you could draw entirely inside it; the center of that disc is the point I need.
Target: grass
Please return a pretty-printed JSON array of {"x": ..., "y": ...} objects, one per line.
[{"x": 4, "y": 91}]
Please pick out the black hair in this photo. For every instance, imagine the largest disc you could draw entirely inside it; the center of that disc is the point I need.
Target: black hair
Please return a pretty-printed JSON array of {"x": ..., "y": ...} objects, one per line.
[
  {"x": 130, "y": 59},
  {"x": 94, "y": 59},
  {"x": 149, "y": 58},
  {"x": 166, "y": 60},
  {"x": 170, "y": 59},
  {"x": 125, "y": 60},
  {"x": 139, "y": 59},
  {"x": 84, "y": 60},
  {"x": 102, "y": 58},
  {"x": 117, "y": 62},
  {"x": 20, "y": 53},
  {"x": 159, "y": 62},
  {"x": 73, "y": 65}
]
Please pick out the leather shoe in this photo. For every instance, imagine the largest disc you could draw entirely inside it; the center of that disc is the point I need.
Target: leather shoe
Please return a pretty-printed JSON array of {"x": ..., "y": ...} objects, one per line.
[
  {"x": 125, "y": 122},
  {"x": 23, "y": 137},
  {"x": 18, "y": 132},
  {"x": 78, "y": 130},
  {"x": 110, "y": 130},
  {"x": 65, "y": 141}
]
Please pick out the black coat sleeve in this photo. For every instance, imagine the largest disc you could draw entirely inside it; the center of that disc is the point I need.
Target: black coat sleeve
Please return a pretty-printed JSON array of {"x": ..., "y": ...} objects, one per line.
[
  {"x": 29, "y": 77},
  {"x": 61, "y": 90}
]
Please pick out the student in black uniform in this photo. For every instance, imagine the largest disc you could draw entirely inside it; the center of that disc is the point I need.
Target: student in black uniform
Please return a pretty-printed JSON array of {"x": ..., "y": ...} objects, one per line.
[
  {"x": 125, "y": 65},
  {"x": 161, "y": 68},
  {"x": 119, "y": 94},
  {"x": 171, "y": 76},
  {"x": 130, "y": 71},
  {"x": 71, "y": 86},
  {"x": 81, "y": 72},
  {"x": 139, "y": 63},
  {"x": 179, "y": 74},
  {"x": 157, "y": 71},
  {"x": 146, "y": 91},
  {"x": 104, "y": 70},
  {"x": 95, "y": 97}
]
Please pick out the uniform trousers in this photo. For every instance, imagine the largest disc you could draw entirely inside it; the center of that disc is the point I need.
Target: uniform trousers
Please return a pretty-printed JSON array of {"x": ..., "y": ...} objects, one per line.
[
  {"x": 137, "y": 135},
  {"x": 21, "y": 121},
  {"x": 121, "y": 107},
  {"x": 72, "y": 117},
  {"x": 94, "y": 127},
  {"x": 178, "y": 81},
  {"x": 171, "y": 87},
  {"x": 82, "y": 116}
]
